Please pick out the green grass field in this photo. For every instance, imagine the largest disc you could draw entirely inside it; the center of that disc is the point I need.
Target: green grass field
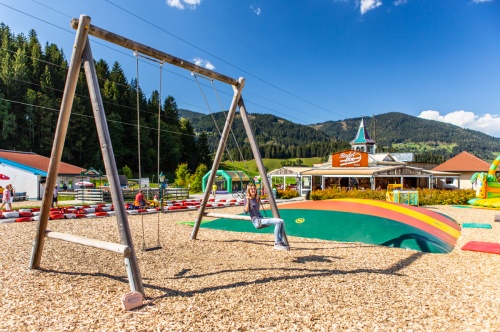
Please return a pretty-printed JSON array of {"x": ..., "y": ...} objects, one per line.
[{"x": 250, "y": 167}]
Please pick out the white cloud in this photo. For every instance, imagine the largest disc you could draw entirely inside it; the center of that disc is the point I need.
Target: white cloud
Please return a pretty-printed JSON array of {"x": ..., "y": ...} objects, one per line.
[
  {"x": 400, "y": 2},
  {"x": 182, "y": 4},
  {"x": 256, "y": 10},
  {"x": 479, "y": 1},
  {"x": 367, "y": 5},
  {"x": 203, "y": 63},
  {"x": 485, "y": 123}
]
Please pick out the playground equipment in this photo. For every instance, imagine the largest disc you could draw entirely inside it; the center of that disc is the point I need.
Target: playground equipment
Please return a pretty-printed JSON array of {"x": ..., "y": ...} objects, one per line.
[
  {"x": 82, "y": 55},
  {"x": 396, "y": 194},
  {"x": 137, "y": 89},
  {"x": 487, "y": 187},
  {"x": 360, "y": 220}
]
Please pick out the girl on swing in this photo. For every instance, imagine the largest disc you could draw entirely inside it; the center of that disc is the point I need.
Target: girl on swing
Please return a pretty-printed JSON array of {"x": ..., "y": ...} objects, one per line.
[{"x": 252, "y": 206}]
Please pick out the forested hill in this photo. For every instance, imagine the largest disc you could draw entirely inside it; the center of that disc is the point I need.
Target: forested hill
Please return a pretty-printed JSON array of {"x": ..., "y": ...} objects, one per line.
[
  {"x": 277, "y": 137},
  {"x": 431, "y": 141},
  {"x": 401, "y": 132}
]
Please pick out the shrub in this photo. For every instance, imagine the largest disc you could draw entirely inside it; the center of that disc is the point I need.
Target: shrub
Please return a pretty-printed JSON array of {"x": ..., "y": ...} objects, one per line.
[
  {"x": 287, "y": 194},
  {"x": 425, "y": 196}
]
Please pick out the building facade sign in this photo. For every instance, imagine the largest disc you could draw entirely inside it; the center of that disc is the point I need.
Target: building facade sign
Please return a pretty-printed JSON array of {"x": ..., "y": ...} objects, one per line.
[{"x": 350, "y": 158}]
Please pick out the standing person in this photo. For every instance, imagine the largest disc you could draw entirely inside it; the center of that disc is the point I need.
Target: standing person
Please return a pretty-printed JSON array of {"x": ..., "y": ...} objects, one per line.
[
  {"x": 156, "y": 198},
  {"x": 214, "y": 190},
  {"x": 55, "y": 195},
  {"x": 252, "y": 206},
  {"x": 6, "y": 198},
  {"x": 12, "y": 194}
]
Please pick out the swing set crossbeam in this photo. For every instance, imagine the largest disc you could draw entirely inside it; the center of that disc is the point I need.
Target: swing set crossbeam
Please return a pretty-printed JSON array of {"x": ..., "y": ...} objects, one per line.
[{"x": 152, "y": 52}]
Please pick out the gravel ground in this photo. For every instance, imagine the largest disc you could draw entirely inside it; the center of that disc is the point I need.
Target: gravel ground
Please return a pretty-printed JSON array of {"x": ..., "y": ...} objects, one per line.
[{"x": 236, "y": 282}]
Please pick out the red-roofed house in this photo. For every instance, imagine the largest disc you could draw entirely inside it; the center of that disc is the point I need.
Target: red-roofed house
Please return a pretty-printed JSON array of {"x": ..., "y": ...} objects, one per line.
[
  {"x": 28, "y": 170},
  {"x": 464, "y": 163}
]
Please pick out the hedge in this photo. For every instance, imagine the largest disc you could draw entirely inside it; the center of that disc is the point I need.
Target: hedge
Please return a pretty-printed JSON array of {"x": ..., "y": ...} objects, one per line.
[{"x": 425, "y": 196}]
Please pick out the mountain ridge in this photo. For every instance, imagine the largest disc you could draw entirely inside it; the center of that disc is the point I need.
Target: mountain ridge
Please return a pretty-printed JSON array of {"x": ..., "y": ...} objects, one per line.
[{"x": 393, "y": 132}]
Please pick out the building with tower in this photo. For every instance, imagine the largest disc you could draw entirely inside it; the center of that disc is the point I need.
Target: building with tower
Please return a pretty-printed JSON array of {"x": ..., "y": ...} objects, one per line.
[{"x": 363, "y": 168}]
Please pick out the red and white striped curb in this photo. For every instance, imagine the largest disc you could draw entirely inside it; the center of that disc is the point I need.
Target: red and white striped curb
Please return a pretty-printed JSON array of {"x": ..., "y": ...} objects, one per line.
[{"x": 106, "y": 210}]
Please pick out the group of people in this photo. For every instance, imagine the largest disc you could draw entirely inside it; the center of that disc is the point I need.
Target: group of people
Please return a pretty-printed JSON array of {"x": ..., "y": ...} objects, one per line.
[{"x": 8, "y": 197}]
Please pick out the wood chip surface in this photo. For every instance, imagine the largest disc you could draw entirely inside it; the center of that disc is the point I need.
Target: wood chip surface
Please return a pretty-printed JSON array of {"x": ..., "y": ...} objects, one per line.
[{"x": 228, "y": 281}]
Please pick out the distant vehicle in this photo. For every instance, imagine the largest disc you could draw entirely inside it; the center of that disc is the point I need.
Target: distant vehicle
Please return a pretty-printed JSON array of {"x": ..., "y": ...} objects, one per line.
[{"x": 84, "y": 184}]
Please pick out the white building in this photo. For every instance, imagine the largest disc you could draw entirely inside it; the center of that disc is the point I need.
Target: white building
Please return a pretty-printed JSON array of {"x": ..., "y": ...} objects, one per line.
[{"x": 28, "y": 171}]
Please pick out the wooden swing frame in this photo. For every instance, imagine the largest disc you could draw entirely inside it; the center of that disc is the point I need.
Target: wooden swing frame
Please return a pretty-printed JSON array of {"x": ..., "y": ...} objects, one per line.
[{"x": 82, "y": 54}]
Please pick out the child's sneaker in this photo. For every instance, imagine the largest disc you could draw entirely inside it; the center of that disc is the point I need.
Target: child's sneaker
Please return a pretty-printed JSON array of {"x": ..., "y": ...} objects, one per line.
[{"x": 281, "y": 246}]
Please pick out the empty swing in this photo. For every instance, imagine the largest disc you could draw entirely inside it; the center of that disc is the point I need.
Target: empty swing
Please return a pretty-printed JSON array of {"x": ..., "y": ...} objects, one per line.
[{"x": 136, "y": 54}]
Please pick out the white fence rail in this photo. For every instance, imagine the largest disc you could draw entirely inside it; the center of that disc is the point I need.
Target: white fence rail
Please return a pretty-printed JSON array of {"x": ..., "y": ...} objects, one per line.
[{"x": 89, "y": 195}]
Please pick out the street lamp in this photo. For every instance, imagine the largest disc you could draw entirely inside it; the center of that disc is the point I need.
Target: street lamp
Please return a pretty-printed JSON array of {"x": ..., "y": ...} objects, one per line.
[
  {"x": 298, "y": 184},
  {"x": 163, "y": 184},
  {"x": 82, "y": 173}
]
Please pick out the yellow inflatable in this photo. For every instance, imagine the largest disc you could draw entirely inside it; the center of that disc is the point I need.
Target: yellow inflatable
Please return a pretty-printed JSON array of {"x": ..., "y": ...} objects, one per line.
[{"x": 487, "y": 187}]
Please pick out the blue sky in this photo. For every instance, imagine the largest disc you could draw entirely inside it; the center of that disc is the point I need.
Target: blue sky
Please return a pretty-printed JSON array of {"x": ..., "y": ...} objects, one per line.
[{"x": 306, "y": 61}]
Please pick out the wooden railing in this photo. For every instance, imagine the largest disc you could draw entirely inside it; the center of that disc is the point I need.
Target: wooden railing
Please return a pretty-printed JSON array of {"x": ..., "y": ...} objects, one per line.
[{"x": 175, "y": 193}]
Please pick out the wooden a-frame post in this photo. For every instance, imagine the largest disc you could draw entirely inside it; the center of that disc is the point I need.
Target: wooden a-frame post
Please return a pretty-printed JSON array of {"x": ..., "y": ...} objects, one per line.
[
  {"x": 81, "y": 51},
  {"x": 237, "y": 101}
]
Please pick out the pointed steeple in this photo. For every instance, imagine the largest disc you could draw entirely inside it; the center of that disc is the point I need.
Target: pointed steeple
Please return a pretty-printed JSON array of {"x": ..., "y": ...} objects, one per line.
[{"x": 363, "y": 142}]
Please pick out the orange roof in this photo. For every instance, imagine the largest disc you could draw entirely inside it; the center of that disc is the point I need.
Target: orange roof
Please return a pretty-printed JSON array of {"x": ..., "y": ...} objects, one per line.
[
  {"x": 33, "y": 160},
  {"x": 463, "y": 162}
]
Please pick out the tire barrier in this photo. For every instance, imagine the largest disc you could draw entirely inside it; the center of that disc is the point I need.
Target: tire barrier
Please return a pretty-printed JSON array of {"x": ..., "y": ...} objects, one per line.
[{"x": 107, "y": 210}]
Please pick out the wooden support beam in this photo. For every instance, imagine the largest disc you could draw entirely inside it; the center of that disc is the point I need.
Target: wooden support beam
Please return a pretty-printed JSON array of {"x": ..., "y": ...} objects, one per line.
[
  {"x": 59, "y": 139},
  {"x": 228, "y": 216},
  {"x": 154, "y": 53},
  {"x": 110, "y": 246}
]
